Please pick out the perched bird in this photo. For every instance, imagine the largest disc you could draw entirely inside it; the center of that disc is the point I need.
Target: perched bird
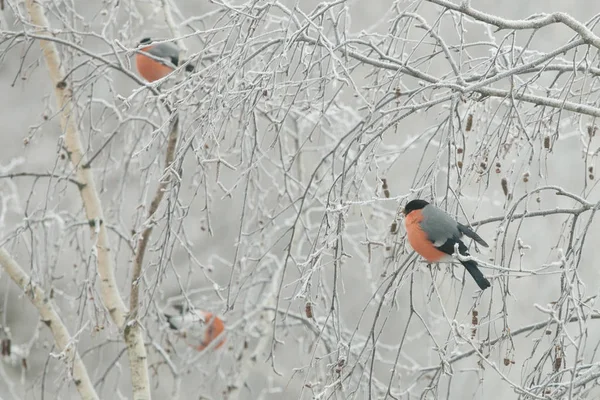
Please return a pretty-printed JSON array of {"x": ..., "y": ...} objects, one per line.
[
  {"x": 198, "y": 328},
  {"x": 433, "y": 234},
  {"x": 155, "y": 61}
]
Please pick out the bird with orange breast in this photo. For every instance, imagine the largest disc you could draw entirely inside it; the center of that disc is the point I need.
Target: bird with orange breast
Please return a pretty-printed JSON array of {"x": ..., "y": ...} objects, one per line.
[
  {"x": 198, "y": 328},
  {"x": 434, "y": 234},
  {"x": 155, "y": 61}
]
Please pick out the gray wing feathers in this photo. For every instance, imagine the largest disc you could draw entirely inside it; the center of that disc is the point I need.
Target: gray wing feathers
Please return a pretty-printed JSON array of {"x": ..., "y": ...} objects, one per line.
[
  {"x": 467, "y": 231},
  {"x": 439, "y": 226},
  {"x": 167, "y": 51}
]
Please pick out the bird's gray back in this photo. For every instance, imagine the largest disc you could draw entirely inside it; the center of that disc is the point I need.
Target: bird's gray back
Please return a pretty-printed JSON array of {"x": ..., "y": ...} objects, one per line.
[
  {"x": 438, "y": 225},
  {"x": 164, "y": 50}
]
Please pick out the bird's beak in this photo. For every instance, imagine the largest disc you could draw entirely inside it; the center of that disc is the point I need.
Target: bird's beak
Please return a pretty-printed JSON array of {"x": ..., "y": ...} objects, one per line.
[
  {"x": 404, "y": 211},
  {"x": 202, "y": 315}
]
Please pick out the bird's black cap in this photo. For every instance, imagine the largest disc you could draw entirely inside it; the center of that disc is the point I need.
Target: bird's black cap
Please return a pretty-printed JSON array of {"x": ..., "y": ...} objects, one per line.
[{"x": 414, "y": 205}]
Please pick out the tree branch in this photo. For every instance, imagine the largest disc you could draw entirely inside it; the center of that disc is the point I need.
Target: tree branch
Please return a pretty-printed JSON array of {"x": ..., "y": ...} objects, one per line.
[
  {"x": 143, "y": 242},
  {"x": 41, "y": 175},
  {"x": 524, "y": 329},
  {"x": 162, "y": 187},
  {"x": 64, "y": 342},
  {"x": 534, "y": 23},
  {"x": 93, "y": 208}
]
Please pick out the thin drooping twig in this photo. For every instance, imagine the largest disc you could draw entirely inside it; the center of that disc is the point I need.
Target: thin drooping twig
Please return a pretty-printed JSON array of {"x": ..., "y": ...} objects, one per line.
[
  {"x": 66, "y": 345},
  {"x": 249, "y": 357},
  {"x": 143, "y": 242},
  {"x": 93, "y": 208}
]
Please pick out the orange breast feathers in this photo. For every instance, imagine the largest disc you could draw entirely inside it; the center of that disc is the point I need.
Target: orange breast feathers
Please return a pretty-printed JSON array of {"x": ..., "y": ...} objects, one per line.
[
  {"x": 214, "y": 328},
  {"x": 419, "y": 240},
  {"x": 150, "y": 69}
]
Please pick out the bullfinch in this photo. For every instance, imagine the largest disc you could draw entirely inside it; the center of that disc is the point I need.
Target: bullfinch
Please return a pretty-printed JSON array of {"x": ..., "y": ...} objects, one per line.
[
  {"x": 163, "y": 59},
  {"x": 198, "y": 328},
  {"x": 433, "y": 234}
]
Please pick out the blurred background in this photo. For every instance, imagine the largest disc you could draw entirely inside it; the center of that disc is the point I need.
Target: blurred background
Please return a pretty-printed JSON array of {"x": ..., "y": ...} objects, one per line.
[{"x": 304, "y": 129}]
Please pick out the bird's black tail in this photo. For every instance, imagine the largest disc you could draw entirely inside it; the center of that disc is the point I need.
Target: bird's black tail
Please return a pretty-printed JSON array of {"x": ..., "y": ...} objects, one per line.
[
  {"x": 189, "y": 68},
  {"x": 476, "y": 273}
]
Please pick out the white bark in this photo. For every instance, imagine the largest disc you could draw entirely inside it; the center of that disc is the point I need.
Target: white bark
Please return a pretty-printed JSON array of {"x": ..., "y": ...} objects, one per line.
[
  {"x": 64, "y": 342},
  {"x": 91, "y": 202}
]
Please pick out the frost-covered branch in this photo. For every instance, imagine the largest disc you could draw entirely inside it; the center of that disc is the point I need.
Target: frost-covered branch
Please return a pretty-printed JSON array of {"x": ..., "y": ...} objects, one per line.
[
  {"x": 67, "y": 345},
  {"x": 93, "y": 208},
  {"x": 534, "y": 22}
]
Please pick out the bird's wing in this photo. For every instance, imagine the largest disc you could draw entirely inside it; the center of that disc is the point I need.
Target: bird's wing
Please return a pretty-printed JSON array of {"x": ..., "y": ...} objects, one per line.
[
  {"x": 470, "y": 233},
  {"x": 439, "y": 226},
  {"x": 192, "y": 323},
  {"x": 166, "y": 51}
]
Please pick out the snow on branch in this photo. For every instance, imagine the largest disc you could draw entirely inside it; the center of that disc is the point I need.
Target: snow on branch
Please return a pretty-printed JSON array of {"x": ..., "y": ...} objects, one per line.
[
  {"x": 66, "y": 344},
  {"x": 93, "y": 208}
]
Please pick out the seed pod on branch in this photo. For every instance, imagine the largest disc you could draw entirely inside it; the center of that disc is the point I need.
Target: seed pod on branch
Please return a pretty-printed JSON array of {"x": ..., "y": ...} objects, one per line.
[
  {"x": 547, "y": 142},
  {"x": 308, "y": 310},
  {"x": 384, "y": 186},
  {"x": 504, "y": 184},
  {"x": 469, "y": 123}
]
